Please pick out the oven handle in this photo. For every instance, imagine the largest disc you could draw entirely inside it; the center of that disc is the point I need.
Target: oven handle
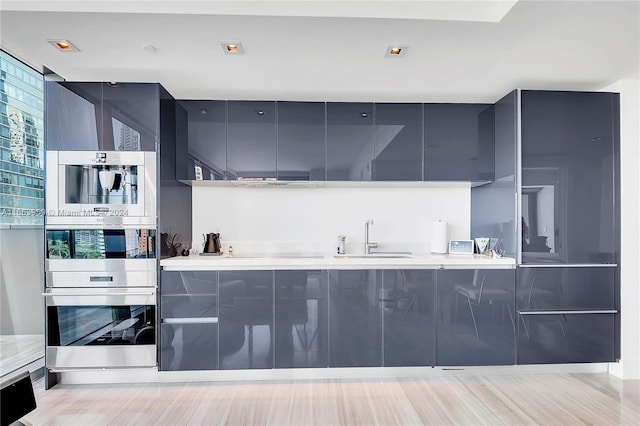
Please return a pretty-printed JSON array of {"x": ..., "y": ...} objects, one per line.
[{"x": 97, "y": 294}]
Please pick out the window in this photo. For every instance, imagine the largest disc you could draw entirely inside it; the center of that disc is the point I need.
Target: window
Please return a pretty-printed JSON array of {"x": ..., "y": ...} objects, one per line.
[{"x": 21, "y": 143}]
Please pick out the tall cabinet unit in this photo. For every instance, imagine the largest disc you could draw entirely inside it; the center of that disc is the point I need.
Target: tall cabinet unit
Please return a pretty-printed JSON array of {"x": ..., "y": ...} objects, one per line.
[
  {"x": 101, "y": 254},
  {"x": 568, "y": 280}
]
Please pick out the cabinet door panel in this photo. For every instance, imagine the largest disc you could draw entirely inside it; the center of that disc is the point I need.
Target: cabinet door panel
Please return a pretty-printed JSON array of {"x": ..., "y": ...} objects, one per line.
[
  {"x": 566, "y": 288},
  {"x": 301, "y": 141},
  {"x": 301, "y": 319},
  {"x": 251, "y": 139},
  {"x": 398, "y": 142},
  {"x": 476, "y": 324},
  {"x": 458, "y": 142},
  {"x": 189, "y": 347},
  {"x": 73, "y": 116},
  {"x": 559, "y": 338},
  {"x": 409, "y": 314},
  {"x": 189, "y": 312},
  {"x": 246, "y": 320},
  {"x": 189, "y": 306},
  {"x": 100, "y": 116},
  {"x": 569, "y": 141},
  {"x": 355, "y": 315},
  {"x": 349, "y": 141},
  {"x": 206, "y": 138},
  {"x": 189, "y": 282},
  {"x": 131, "y": 113}
]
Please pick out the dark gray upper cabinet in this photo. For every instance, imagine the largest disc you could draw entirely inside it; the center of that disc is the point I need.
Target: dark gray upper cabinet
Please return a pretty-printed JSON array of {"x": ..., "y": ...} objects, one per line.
[
  {"x": 251, "y": 139},
  {"x": 301, "y": 141},
  {"x": 458, "y": 142},
  {"x": 398, "y": 142},
  {"x": 73, "y": 116},
  {"x": 569, "y": 168},
  {"x": 350, "y": 149},
  {"x": 203, "y": 138},
  {"x": 101, "y": 116},
  {"x": 131, "y": 114},
  {"x": 169, "y": 163},
  {"x": 493, "y": 208}
]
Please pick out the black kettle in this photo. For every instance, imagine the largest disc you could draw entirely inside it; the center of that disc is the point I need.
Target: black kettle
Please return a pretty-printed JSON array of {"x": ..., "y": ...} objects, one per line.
[{"x": 212, "y": 243}]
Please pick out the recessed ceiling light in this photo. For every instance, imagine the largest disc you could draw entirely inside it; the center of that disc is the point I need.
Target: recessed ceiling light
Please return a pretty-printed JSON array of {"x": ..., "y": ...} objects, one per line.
[
  {"x": 63, "y": 45},
  {"x": 364, "y": 114},
  {"x": 395, "y": 51},
  {"x": 234, "y": 48}
]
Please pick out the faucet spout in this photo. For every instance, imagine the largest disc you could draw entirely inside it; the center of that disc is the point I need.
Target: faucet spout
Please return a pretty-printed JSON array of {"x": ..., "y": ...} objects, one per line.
[{"x": 368, "y": 245}]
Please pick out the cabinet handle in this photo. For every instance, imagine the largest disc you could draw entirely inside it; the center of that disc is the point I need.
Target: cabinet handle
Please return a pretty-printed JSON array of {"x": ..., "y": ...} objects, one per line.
[
  {"x": 94, "y": 279},
  {"x": 595, "y": 311},
  {"x": 204, "y": 320},
  {"x": 570, "y": 265},
  {"x": 97, "y": 294}
]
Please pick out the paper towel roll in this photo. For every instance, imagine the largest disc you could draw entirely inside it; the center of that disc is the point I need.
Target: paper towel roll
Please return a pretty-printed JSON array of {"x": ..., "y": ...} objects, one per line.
[{"x": 439, "y": 237}]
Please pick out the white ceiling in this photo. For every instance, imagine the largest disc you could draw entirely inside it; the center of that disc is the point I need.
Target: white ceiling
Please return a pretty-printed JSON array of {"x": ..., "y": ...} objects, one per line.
[{"x": 458, "y": 51}]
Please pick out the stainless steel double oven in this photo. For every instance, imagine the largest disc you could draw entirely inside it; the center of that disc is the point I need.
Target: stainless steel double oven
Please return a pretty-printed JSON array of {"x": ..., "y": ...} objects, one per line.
[{"x": 101, "y": 260}]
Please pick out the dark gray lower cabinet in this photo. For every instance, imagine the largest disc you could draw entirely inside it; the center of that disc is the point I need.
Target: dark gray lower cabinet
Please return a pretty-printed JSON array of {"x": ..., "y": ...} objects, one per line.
[
  {"x": 560, "y": 288},
  {"x": 373, "y": 318},
  {"x": 301, "y": 319},
  {"x": 409, "y": 311},
  {"x": 475, "y": 317},
  {"x": 565, "y": 338},
  {"x": 355, "y": 318},
  {"x": 246, "y": 319},
  {"x": 566, "y": 314},
  {"x": 189, "y": 326}
]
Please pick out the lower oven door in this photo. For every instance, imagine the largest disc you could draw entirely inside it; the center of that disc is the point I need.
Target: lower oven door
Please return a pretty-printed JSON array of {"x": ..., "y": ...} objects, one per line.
[{"x": 100, "y": 328}]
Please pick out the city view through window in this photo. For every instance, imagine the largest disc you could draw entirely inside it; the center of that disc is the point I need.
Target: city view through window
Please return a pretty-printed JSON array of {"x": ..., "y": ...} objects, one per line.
[{"x": 21, "y": 143}]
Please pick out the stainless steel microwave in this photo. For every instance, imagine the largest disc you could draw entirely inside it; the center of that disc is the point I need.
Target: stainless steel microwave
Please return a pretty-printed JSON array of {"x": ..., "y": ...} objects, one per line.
[
  {"x": 84, "y": 185},
  {"x": 116, "y": 256}
]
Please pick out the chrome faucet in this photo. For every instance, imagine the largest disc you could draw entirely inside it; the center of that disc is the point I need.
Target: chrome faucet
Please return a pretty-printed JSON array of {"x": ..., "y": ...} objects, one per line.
[{"x": 367, "y": 245}]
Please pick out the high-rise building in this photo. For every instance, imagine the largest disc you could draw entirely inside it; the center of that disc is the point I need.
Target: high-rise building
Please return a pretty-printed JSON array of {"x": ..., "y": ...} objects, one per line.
[
  {"x": 126, "y": 138},
  {"x": 21, "y": 143}
]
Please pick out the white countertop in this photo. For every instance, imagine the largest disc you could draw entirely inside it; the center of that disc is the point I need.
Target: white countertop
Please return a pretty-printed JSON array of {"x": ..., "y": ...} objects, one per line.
[{"x": 291, "y": 262}]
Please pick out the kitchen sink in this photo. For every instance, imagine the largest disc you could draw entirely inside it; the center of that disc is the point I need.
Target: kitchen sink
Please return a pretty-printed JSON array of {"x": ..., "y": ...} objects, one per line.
[
  {"x": 296, "y": 256},
  {"x": 378, "y": 255},
  {"x": 276, "y": 256}
]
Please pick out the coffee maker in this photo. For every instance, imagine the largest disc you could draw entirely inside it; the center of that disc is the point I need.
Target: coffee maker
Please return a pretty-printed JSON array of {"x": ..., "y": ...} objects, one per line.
[{"x": 211, "y": 244}]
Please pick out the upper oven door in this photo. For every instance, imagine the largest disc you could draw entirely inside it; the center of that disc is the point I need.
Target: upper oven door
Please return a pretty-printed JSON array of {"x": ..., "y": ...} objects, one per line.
[
  {"x": 100, "y": 257},
  {"x": 83, "y": 185}
]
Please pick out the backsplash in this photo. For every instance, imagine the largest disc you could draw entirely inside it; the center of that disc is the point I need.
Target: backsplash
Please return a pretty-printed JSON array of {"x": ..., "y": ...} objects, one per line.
[{"x": 286, "y": 220}]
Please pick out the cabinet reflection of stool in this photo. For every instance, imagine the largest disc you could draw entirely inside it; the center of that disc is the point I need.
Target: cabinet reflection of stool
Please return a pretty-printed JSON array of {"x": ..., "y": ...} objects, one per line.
[
  {"x": 475, "y": 293},
  {"x": 541, "y": 296},
  {"x": 405, "y": 300}
]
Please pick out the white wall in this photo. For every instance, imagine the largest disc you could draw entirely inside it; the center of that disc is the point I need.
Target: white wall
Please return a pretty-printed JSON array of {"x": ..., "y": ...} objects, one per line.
[
  {"x": 629, "y": 366},
  {"x": 21, "y": 281},
  {"x": 269, "y": 220}
]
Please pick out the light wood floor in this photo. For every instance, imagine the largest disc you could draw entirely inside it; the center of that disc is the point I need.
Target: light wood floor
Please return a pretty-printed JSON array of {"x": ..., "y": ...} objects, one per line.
[{"x": 561, "y": 399}]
